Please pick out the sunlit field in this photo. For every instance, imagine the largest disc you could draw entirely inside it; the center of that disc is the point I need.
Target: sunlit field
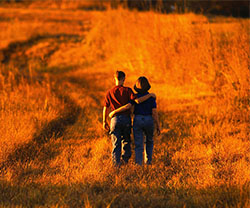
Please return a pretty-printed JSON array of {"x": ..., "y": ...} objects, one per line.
[{"x": 55, "y": 68}]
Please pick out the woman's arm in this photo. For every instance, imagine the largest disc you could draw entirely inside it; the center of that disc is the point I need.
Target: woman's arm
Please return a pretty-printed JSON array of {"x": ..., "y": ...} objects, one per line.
[
  {"x": 156, "y": 119},
  {"x": 121, "y": 109},
  {"x": 144, "y": 98}
]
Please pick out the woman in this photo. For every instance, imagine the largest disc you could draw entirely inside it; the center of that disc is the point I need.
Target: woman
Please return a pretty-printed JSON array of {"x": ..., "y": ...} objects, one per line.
[{"x": 145, "y": 116}]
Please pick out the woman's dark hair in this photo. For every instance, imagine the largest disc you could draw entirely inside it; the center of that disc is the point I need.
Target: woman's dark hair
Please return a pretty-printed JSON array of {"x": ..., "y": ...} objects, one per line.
[{"x": 142, "y": 85}]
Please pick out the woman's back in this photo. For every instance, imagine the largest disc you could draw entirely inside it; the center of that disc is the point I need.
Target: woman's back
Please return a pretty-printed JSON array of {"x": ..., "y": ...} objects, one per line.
[{"x": 145, "y": 108}]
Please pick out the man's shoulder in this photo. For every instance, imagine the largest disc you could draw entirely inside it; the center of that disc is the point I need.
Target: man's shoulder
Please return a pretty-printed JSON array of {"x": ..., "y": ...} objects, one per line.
[
  {"x": 112, "y": 89},
  {"x": 108, "y": 92},
  {"x": 128, "y": 89},
  {"x": 115, "y": 89},
  {"x": 124, "y": 88}
]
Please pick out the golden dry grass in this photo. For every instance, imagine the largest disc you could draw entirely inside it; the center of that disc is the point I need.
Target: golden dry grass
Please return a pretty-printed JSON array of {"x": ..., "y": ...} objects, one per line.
[{"x": 54, "y": 74}]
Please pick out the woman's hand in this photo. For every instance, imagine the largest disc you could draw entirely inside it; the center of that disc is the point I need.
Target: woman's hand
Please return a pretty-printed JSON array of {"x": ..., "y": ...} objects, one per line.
[{"x": 158, "y": 130}]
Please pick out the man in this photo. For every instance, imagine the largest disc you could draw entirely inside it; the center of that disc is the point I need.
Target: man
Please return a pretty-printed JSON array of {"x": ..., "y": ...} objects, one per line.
[{"x": 120, "y": 126}]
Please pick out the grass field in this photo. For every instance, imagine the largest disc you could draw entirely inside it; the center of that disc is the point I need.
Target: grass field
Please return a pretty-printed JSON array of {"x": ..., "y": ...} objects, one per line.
[{"x": 56, "y": 66}]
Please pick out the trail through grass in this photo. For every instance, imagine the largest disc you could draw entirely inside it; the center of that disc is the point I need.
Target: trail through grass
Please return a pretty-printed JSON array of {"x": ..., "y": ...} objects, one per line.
[{"x": 54, "y": 152}]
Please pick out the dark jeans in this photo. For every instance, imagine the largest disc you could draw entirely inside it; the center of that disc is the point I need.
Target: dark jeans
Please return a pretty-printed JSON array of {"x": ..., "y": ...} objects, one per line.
[
  {"x": 120, "y": 129},
  {"x": 143, "y": 125}
]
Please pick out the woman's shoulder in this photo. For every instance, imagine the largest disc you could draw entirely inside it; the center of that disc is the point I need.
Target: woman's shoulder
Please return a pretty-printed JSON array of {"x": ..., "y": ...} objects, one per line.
[
  {"x": 152, "y": 99},
  {"x": 141, "y": 94}
]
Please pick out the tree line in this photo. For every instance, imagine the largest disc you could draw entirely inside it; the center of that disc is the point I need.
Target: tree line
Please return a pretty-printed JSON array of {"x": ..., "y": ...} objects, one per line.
[{"x": 239, "y": 8}]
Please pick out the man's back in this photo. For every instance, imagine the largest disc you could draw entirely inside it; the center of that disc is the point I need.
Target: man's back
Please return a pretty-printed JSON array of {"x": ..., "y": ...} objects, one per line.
[{"x": 117, "y": 97}]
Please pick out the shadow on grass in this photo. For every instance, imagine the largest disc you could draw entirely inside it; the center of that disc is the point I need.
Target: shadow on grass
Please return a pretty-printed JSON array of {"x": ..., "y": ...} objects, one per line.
[
  {"x": 39, "y": 148},
  {"x": 91, "y": 83},
  {"x": 15, "y": 52},
  {"x": 107, "y": 194}
]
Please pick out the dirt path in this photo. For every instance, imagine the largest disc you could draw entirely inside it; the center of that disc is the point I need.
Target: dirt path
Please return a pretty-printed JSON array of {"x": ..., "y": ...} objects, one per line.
[
  {"x": 80, "y": 122},
  {"x": 76, "y": 134},
  {"x": 79, "y": 90}
]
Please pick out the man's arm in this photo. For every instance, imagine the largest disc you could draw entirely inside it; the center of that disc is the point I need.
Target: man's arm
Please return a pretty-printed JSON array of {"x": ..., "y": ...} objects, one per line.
[
  {"x": 121, "y": 109},
  {"x": 129, "y": 105},
  {"x": 104, "y": 121},
  {"x": 144, "y": 98},
  {"x": 156, "y": 119}
]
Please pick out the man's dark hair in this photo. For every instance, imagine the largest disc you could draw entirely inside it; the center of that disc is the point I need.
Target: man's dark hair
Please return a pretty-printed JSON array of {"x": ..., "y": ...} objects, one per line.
[{"x": 120, "y": 75}]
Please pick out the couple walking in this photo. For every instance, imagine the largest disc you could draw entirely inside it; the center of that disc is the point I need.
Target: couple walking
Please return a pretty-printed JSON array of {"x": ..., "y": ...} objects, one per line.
[{"x": 120, "y": 101}]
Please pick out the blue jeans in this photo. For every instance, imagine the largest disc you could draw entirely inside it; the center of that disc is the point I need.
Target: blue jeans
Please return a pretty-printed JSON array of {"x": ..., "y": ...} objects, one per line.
[
  {"x": 120, "y": 130},
  {"x": 143, "y": 125}
]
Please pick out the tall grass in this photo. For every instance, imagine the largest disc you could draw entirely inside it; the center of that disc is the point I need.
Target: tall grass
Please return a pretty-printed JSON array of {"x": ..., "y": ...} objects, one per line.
[
  {"x": 26, "y": 106},
  {"x": 53, "y": 151},
  {"x": 209, "y": 64},
  {"x": 175, "y": 49}
]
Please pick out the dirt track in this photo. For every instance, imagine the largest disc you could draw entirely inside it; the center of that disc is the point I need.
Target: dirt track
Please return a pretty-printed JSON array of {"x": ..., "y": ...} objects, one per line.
[{"x": 76, "y": 87}]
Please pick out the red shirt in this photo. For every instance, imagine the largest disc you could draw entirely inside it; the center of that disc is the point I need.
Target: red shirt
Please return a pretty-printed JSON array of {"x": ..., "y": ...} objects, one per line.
[{"x": 117, "y": 97}]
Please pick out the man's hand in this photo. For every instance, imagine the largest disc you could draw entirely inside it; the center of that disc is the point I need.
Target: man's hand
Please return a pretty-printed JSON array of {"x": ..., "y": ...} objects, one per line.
[
  {"x": 111, "y": 114},
  {"x": 105, "y": 126},
  {"x": 153, "y": 95}
]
